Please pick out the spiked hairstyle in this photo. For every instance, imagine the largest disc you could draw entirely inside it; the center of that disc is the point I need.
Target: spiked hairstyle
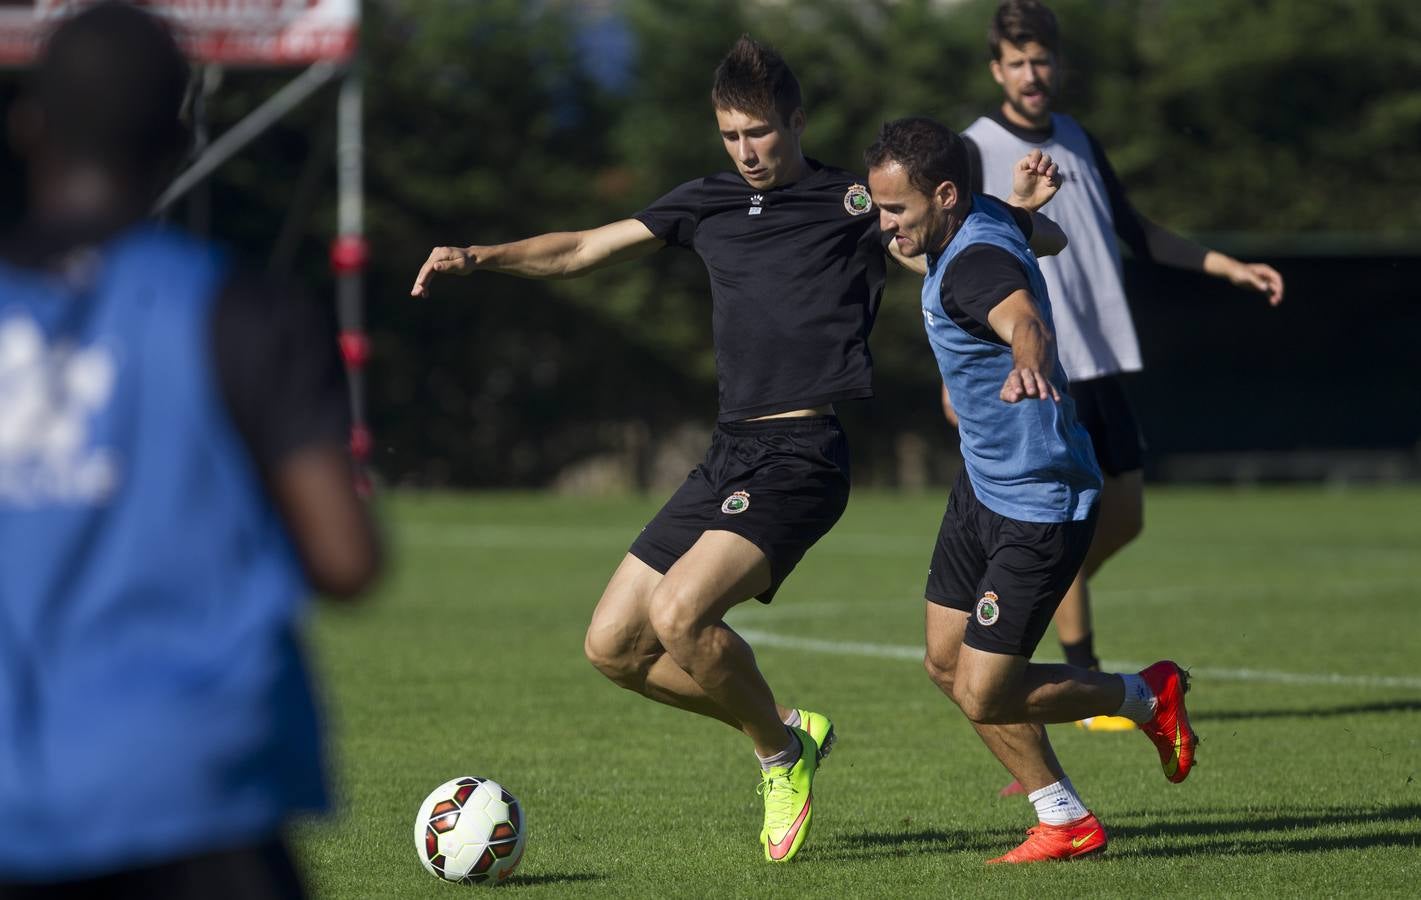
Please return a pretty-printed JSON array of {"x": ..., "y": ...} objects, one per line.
[{"x": 754, "y": 79}]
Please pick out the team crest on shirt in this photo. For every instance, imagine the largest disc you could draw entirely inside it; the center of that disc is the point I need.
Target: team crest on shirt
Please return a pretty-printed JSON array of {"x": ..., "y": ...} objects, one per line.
[
  {"x": 736, "y": 503},
  {"x": 857, "y": 200},
  {"x": 988, "y": 608},
  {"x": 757, "y": 204}
]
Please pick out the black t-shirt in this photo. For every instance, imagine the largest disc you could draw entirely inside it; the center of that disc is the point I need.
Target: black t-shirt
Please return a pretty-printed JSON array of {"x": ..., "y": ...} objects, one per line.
[
  {"x": 274, "y": 350},
  {"x": 979, "y": 278},
  {"x": 796, "y": 276}
]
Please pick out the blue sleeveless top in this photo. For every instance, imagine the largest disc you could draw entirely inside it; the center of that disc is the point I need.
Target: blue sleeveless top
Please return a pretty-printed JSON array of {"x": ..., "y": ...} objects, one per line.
[
  {"x": 153, "y": 697},
  {"x": 1032, "y": 460}
]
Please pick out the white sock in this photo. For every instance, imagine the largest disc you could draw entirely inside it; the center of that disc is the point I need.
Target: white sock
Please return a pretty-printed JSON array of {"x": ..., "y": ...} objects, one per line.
[
  {"x": 1058, "y": 804},
  {"x": 785, "y": 758},
  {"x": 1139, "y": 705},
  {"x": 793, "y": 720}
]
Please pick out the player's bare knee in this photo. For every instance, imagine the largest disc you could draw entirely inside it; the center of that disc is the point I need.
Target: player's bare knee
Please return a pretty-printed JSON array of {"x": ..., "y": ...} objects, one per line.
[
  {"x": 1111, "y": 539},
  {"x": 985, "y": 703},
  {"x": 1124, "y": 520},
  {"x": 602, "y": 659},
  {"x": 1133, "y": 526},
  {"x": 1126, "y": 525},
  {"x": 614, "y": 660},
  {"x": 976, "y": 706},
  {"x": 674, "y": 616},
  {"x": 942, "y": 672}
]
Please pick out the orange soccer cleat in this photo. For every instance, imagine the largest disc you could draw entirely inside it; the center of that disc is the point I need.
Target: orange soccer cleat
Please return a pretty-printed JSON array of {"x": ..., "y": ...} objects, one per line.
[
  {"x": 1083, "y": 837},
  {"x": 1169, "y": 729}
]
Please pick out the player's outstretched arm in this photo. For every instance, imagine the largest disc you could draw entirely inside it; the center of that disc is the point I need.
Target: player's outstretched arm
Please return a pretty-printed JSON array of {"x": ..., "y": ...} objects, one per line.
[
  {"x": 1175, "y": 250},
  {"x": 1017, "y": 321},
  {"x": 1258, "y": 277},
  {"x": 559, "y": 254}
]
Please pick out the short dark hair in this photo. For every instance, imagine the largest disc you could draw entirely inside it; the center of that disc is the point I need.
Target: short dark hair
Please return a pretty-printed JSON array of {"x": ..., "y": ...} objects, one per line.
[
  {"x": 929, "y": 152},
  {"x": 110, "y": 84},
  {"x": 1020, "y": 22},
  {"x": 754, "y": 79}
]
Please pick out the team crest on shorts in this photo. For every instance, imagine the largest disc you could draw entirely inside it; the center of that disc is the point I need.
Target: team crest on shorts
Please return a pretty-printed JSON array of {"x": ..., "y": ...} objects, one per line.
[
  {"x": 736, "y": 503},
  {"x": 857, "y": 200},
  {"x": 988, "y": 608}
]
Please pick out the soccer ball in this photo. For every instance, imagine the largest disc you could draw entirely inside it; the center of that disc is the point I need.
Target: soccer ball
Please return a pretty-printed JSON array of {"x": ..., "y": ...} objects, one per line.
[{"x": 470, "y": 830}]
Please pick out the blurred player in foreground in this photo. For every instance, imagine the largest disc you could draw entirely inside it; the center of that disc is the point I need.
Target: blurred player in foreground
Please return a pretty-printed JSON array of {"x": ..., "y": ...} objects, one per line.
[
  {"x": 173, "y": 484},
  {"x": 1022, "y": 513},
  {"x": 1096, "y": 337},
  {"x": 797, "y": 269}
]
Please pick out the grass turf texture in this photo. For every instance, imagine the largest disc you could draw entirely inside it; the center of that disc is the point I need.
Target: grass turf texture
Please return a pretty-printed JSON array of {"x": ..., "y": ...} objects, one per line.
[{"x": 469, "y": 662}]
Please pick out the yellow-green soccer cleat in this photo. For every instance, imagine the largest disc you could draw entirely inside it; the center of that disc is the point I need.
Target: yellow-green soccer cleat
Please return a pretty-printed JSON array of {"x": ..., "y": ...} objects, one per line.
[
  {"x": 789, "y": 802},
  {"x": 818, "y": 726}
]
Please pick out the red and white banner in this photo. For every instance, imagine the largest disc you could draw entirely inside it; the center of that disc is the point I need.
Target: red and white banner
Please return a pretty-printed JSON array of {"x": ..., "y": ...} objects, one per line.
[{"x": 233, "y": 32}]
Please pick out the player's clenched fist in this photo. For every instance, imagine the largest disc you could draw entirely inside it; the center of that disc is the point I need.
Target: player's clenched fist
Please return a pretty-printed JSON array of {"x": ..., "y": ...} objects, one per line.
[
  {"x": 449, "y": 261},
  {"x": 1035, "y": 180}
]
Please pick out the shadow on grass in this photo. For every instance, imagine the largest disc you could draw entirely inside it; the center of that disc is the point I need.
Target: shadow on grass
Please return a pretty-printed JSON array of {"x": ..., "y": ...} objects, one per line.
[
  {"x": 1201, "y": 833},
  {"x": 1353, "y": 709},
  {"x": 879, "y": 844},
  {"x": 542, "y": 878},
  {"x": 1240, "y": 831}
]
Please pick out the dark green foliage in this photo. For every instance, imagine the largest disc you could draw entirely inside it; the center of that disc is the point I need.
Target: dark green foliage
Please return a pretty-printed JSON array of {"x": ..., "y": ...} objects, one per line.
[{"x": 1287, "y": 120}]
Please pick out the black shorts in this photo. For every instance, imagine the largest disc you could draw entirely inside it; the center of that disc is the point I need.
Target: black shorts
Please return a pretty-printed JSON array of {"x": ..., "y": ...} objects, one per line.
[
  {"x": 1008, "y": 575},
  {"x": 1106, "y": 413},
  {"x": 257, "y": 872},
  {"x": 779, "y": 483}
]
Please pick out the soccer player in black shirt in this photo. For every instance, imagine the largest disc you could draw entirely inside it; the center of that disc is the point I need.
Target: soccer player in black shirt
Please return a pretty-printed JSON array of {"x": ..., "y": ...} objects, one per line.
[{"x": 797, "y": 267}]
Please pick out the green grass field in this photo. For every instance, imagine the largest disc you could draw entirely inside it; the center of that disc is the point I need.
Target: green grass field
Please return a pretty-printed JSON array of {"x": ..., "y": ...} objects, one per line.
[{"x": 1299, "y": 611}]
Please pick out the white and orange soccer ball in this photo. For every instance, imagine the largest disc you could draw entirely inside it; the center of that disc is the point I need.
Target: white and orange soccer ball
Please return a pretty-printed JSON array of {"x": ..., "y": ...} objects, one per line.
[{"x": 470, "y": 830}]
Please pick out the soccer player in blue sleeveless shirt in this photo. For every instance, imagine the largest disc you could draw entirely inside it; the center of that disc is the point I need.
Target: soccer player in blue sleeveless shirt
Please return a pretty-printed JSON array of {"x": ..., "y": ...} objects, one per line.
[
  {"x": 1022, "y": 513},
  {"x": 173, "y": 483}
]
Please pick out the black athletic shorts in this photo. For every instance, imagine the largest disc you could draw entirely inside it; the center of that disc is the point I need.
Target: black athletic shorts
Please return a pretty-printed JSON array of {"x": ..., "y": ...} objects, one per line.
[
  {"x": 779, "y": 483},
  {"x": 1106, "y": 413},
  {"x": 1009, "y": 575},
  {"x": 258, "y": 872}
]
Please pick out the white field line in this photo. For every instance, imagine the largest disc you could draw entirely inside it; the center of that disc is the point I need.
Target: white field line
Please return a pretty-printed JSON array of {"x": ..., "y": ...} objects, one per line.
[
  {"x": 542, "y": 538},
  {"x": 546, "y": 537},
  {"x": 915, "y": 654},
  {"x": 502, "y": 537},
  {"x": 1172, "y": 593},
  {"x": 918, "y": 547}
]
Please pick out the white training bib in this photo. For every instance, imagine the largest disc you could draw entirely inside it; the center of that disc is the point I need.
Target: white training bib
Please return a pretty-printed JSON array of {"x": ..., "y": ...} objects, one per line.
[{"x": 1094, "y": 333}]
